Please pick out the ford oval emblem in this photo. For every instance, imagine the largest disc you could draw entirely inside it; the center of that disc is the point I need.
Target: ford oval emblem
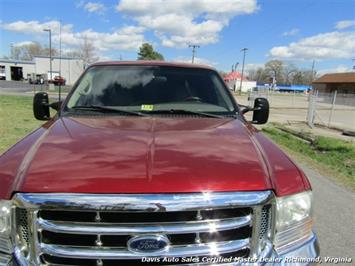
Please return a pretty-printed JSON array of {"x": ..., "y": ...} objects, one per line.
[{"x": 148, "y": 243}]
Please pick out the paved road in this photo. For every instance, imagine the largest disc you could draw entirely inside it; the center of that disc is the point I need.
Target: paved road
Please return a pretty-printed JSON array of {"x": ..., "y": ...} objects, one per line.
[
  {"x": 334, "y": 212},
  {"x": 18, "y": 86},
  {"x": 24, "y": 89}
]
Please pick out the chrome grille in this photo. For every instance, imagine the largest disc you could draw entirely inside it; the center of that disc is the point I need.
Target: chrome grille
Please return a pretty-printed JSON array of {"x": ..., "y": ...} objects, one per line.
[{"x": 94, "y": 229}]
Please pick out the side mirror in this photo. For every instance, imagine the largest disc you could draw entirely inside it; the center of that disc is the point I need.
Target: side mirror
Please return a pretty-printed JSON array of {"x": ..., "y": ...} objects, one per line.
[
  {"x": 41, "y": 106},
  {"x": 261, "y": 111}
]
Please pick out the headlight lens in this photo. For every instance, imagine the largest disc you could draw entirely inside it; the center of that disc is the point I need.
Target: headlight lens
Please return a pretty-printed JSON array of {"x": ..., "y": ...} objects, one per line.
[
  {"x": 5, "y": 226},
  {"x": 293, "y": 220}
]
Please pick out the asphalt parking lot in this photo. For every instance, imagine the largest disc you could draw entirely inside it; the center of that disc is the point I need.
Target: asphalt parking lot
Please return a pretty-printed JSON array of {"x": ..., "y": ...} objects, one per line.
[
  {"x": 25, "y": 89},
  {"x": 19, "y": 86}
]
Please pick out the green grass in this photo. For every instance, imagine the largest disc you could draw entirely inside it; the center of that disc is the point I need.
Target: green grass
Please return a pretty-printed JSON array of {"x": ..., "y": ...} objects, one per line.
[
  {"x": 45, "y": 88},
  {"x": 336, "y": 155},
  {"x": 16, "y": 119}
]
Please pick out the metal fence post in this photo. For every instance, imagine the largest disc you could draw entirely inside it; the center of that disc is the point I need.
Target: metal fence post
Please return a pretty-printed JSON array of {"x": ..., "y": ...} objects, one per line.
[
  {"x": 332, "y": 108},
  {"x": 310, "y": 99},
  {"x": 311, "y": 109},
  {"x": 314, "y": 107}
]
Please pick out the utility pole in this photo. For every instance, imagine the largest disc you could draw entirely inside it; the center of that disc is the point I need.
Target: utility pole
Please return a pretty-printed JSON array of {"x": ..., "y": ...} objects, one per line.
[
  {"x": 50, "y": 51},
  {"x": 193, "y": 51},
  {"x": 242, "y": 76},
  {"x": 312, "y": 76},
  {"x": 236, "y": 66}
]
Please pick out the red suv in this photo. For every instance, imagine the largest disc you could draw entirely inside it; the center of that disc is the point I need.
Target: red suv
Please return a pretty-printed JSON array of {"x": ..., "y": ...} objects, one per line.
[{"x": 152, "y": 162}]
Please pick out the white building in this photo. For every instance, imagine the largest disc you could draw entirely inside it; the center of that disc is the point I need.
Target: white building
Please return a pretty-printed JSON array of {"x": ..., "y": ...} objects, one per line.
[
  {"x": 232, "y": 80},
  {"x": 69, "y": 68}
]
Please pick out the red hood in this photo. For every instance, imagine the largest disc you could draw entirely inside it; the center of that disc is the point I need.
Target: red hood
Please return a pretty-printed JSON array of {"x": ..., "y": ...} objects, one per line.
[{"x": 144, "y": 155}]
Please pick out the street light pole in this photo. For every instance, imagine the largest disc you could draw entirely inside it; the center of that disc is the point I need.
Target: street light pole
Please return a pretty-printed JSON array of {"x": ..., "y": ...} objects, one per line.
[
  {"x": 241, "y": 78},
  {"x": 50, "y": 51}
]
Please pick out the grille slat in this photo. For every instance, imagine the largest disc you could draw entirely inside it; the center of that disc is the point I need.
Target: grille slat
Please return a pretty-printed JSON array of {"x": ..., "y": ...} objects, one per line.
[
  {"x": 120, "y": 253},
  {"x": 128, "y": 229}
]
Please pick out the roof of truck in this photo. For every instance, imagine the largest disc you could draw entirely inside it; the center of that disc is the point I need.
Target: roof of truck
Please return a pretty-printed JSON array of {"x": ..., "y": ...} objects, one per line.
[{"x": 153, "y": 63}]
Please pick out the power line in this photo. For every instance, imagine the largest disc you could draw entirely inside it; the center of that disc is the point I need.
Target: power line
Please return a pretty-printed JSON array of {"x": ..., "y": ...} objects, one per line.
[{"x": 194, "y": 46}]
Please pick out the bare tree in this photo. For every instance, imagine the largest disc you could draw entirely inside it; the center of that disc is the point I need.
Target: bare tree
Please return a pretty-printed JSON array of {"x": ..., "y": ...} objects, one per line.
[
  {"x": 28, "y": 51},
  {"x": 87, "y": 52},
  {"x": 275, "y": 68},
  {"x": 289, "y": 71}
]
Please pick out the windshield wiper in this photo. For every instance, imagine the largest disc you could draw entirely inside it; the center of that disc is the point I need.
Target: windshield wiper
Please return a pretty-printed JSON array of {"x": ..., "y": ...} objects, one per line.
[
  {"x": 107, "y": 109},
  {"x": 183, "y": 111}
]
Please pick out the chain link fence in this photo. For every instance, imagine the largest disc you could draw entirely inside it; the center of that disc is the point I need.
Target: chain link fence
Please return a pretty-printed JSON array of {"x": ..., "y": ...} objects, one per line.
[{"x": 333, "y": 110}]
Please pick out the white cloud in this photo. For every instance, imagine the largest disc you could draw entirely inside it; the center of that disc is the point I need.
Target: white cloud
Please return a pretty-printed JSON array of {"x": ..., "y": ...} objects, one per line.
[
  {"x": 343, "y": 24},
  {"x": 330, "y": 45},
  {"x": 251, "y": 66},
  {"x": 178, "y": 23},
  {"x": 92, "y": 7},
  {"x": 291, "y": 32},
  {"x": 125, "y": 38},
  {"x": 35, "y": 27},
  {"x": 338, "y": 69},
  {"x": 197, "y": 60},
  {"x": 23, "y": 43}
]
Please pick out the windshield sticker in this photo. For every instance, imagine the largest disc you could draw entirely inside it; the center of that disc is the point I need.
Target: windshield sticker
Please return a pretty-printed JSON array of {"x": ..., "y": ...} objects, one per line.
[{"x": 147, "y": 107}]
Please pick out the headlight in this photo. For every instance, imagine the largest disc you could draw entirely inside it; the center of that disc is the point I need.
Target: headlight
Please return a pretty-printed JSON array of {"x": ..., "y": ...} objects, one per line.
[
  {"x": 5, "y": 226},
  {"x": 293, "y": 220}
]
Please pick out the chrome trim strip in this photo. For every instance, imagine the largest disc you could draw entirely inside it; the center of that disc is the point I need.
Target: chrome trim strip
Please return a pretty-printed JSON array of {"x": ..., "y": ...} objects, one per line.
[
  {"x": 214, "y": 248},
  {"x": 5, "y": 259},
  {"x": 35, "y": 247},
  {"x": 256, "y": 229},
  {"x": 128, "y": 229},
  {"x": 142, "y": 202}
]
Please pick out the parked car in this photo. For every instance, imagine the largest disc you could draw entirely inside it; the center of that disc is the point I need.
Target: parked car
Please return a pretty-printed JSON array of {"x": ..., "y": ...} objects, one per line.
[
  {"x": 58, "y": 80},
  {"x": 153, "y": 162}
]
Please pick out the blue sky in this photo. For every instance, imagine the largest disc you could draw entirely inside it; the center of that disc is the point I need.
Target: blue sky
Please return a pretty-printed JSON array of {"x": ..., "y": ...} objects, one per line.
[{"x": 297, "y": 31}]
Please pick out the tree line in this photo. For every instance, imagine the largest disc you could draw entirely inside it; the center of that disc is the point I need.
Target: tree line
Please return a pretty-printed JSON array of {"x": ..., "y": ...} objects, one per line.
[
  {"x": 86, "y": 51},
  {"x": 284, "y": 73}
]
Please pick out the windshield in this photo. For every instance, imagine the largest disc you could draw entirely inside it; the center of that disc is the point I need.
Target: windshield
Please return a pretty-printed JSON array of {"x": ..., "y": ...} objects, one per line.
[{"x": 152, "y": 89}]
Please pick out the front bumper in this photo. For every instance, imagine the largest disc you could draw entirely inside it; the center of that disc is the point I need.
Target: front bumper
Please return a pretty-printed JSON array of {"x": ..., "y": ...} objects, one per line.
[{"x": 303, "y": 254}]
